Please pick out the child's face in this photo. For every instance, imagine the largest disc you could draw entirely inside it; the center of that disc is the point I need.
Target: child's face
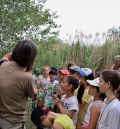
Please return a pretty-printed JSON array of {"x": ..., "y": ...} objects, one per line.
[
  {"x": 92, "y": 90},
  {"x": 64, "y": 84},
  {"x": 46, "y": 71},
  {"x": 103, "y": 85},
  {"x": 52, "y": 77}
]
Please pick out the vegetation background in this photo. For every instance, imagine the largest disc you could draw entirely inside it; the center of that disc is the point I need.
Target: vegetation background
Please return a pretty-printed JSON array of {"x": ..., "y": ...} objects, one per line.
[{"x": 29, "y": 19}]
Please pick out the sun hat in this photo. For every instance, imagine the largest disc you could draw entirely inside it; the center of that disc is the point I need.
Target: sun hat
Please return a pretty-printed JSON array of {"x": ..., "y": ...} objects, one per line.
[
  {"x": 94, "y": 82},
  {"x": 64, "y": 72},
  {"x": 75, "y": 68}
]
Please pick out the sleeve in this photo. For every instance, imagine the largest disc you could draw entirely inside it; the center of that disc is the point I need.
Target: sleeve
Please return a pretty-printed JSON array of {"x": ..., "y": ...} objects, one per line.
[
  {"x": 113, "y": 119},
  {"x": 74, "y": 104},
  {"x": 30, "y": 87}
]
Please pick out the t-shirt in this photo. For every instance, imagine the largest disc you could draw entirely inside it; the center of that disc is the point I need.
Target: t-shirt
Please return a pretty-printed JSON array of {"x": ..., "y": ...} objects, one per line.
[
  {"x": 51, "y": 88},
  {"x": 110, "y": 115},
  {"x": 65, "y": 121},
  {"x": 43, "y": 81},
  {"x": 70, "y": 104},
  {"x": 16, "y": 86}
]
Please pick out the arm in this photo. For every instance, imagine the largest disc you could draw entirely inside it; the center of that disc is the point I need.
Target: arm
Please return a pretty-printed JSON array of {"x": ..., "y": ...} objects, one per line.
[
  {"x": 70, "y": 113},
  {"x": 94, "y": 115},
  {"x": 57, "y": 126}
]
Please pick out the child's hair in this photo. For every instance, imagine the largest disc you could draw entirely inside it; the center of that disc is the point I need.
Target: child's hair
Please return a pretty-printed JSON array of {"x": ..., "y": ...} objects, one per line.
[
  {"x": 35, "y": 116},
  {"x": 44, "y": 67},
  {"x": 114, "y": 78},
  {"x": 90, "y": 77},
  {"x": 75, "y": 84},
  {"x": 82, "y": 87},
  {"x": 74, "y": 81},
  {"x": 69, "y": 64},
  {"x": 102, "y": 95}
]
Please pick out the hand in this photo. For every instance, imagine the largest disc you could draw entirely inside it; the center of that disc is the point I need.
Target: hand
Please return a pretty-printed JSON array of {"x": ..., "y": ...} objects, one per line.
[
  {"x": 8, "y": 56},
  {"x": 57, "y": 101}
]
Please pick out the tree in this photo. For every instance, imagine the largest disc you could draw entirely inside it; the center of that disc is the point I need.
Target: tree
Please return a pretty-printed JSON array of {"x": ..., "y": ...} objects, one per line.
[{"x": 25, "y": 18}]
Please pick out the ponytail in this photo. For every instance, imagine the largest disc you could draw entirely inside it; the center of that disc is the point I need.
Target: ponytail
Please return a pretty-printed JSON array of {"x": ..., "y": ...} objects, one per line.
[{"x": 80, "y": 93}]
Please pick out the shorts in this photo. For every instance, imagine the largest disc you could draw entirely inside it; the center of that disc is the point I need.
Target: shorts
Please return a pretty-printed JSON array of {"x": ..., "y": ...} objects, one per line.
[
  {"x": 41, "y": 95},
  {"x": 49, "y": 104}
]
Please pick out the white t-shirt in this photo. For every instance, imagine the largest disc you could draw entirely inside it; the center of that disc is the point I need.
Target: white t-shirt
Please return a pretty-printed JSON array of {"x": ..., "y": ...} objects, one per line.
[
  {"x": 110, "y": 115},
  {"x": 71, "y": 104}
]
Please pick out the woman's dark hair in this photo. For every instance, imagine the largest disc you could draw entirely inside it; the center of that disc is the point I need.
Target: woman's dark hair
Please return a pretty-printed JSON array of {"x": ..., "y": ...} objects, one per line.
[
  {"x": 24, "y": 54},
  {"x": 114, "y": 78}
]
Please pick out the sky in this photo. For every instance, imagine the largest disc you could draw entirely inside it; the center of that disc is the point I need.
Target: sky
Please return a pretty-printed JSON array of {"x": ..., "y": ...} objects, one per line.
[{"x": 88, "y": 16}]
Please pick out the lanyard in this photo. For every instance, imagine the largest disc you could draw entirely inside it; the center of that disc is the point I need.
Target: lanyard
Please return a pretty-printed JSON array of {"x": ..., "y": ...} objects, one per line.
[{"x": 101, "y": 114}]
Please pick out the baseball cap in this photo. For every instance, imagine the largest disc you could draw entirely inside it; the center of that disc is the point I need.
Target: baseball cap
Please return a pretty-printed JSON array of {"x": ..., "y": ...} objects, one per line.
[
  {"x": 94, "y": 82},
  {"x": 75, "y": 68},
  {"x": 54, "y": 68},
  {"x": 84, "y": 72},
  {"x": 64, "y": 71}
]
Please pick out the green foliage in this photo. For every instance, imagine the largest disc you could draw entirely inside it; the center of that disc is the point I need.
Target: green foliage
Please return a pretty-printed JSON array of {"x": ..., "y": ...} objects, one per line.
[{"x": 21, "y": 19}]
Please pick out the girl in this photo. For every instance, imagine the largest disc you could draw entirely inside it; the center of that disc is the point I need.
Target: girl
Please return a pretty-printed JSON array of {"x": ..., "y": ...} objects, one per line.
[
  {"x": 57, "y": 121},
  {"x": 110, "y": 112},
  {"x": 69, "y": 103},
  {"x": 43, "y": 81},
  {"x": 93, "y": 111}
]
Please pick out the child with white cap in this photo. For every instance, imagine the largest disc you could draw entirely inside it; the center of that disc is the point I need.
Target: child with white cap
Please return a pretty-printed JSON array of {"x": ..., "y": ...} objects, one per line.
[{"x": 93, "y": 111}]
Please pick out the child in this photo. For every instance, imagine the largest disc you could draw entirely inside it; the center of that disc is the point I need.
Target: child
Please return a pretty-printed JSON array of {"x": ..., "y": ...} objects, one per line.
[
  {"x": 43, "y": 119},
  {"x": 110, "y": 112},
  {"x": 93, "y": 111},
  {"x": 69, "y": 103},
  {"x": 51, "y": 88},
  {"x": 43, "y": 81},
  {"x": 63, "y": 73}
]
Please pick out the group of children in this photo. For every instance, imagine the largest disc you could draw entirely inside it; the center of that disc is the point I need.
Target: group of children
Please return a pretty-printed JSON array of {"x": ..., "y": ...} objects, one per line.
[{"x": 91, "y": 103}]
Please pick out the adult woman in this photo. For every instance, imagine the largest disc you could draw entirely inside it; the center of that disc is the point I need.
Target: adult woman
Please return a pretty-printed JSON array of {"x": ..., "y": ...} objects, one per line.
[
  {"x": 110, "y": 112},
  {"x": 16, "y": 85}
]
